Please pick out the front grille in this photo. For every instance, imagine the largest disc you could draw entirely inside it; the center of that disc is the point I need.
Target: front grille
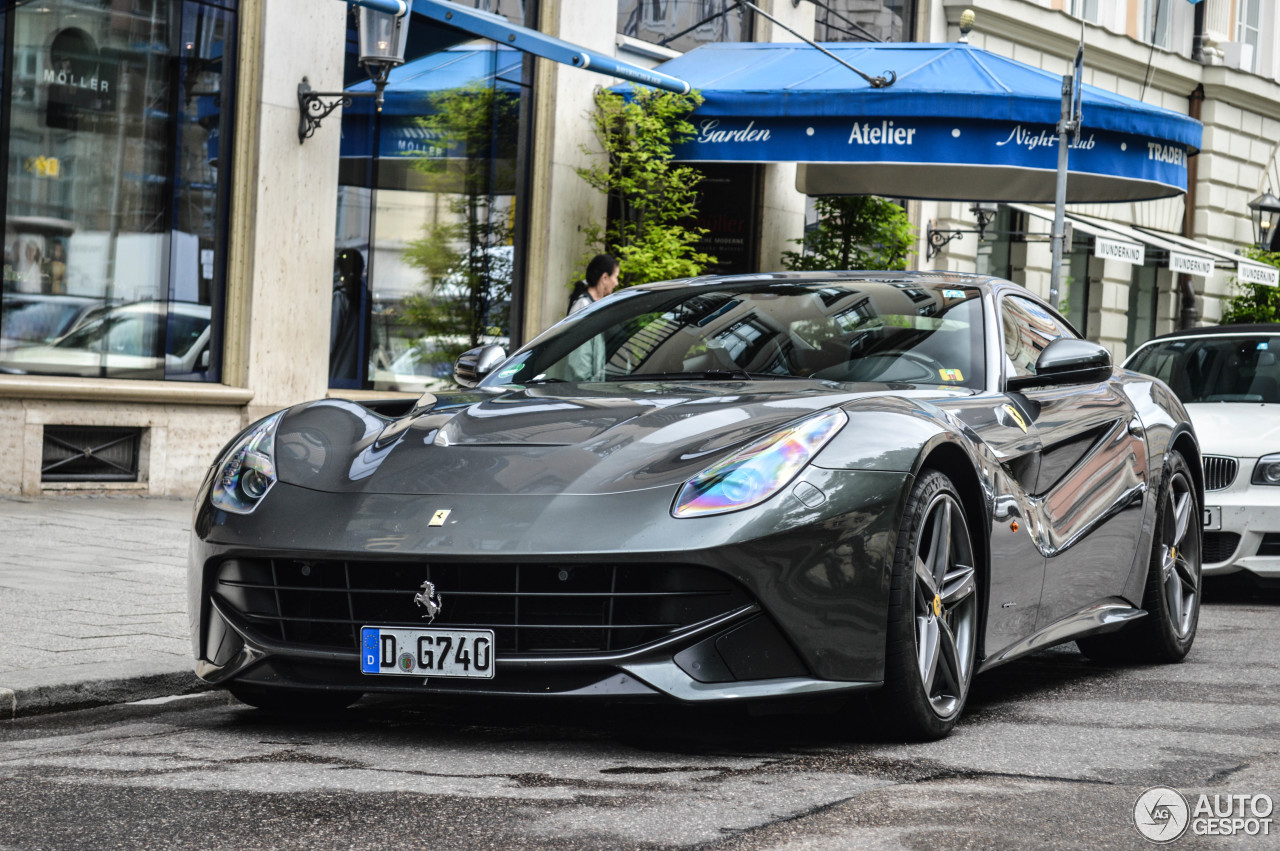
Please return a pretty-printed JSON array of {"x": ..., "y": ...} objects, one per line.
[
  {"x": 1219, "y": 472},
  {"x": 532, "y": 608},
  {"x": 1219, "y": 546}
]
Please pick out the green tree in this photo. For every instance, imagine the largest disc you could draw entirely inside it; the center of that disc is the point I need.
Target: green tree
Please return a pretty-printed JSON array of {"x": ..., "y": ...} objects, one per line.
[
  {"x": 854, "y": 232},
  {"x": 1255, "y": 302},
  {"x": 466, "y": 261},
  {"x": 648, "y": 193}
]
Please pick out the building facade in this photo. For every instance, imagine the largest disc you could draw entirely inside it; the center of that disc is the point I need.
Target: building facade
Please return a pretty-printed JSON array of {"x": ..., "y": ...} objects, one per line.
[
  {"x": 1149, "y": 50},
  {"x": 178, "y": 263}
]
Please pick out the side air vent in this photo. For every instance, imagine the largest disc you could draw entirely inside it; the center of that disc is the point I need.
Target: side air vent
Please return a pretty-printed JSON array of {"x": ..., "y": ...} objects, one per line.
[{"x": 90, "y": 454}]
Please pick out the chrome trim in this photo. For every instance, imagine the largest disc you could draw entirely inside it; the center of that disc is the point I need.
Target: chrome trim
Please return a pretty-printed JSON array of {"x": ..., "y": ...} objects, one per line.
[
  {"x": 1220, "y": 471},
  {"x": 669, "y": 678},
  {"x": 1101, "y": 617}
]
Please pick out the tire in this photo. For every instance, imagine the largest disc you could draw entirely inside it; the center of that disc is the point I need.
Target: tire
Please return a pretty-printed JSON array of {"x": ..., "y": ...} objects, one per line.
[
  {"x": 1171, "y": 595},
  {"x": 932, "y": 634},
  {"x": 292, "y": 700}
]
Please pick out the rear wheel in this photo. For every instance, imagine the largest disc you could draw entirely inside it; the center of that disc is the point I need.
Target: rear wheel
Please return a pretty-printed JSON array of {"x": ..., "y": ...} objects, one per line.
[
  {"x": 1171, "y": 596},
  {"x": 293, "y": 700},
  {"x": 932, "y": 638}
]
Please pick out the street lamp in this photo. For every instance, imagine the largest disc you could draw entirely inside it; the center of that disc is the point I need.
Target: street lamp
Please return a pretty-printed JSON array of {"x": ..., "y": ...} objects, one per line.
[
  {"x": 1265, "y": 211},
  {"x": 985, "y": 212},
  {"x": 383, "y": 27}
]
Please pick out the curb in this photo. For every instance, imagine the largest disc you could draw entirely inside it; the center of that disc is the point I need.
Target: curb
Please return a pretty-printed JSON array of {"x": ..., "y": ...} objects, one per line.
[{"x": 64, "y": 697}]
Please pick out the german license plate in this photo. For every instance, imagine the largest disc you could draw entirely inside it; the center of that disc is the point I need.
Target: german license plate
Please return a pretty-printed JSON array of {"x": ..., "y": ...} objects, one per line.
[
  {"x": 1212, "y": 518},
  {"x": 427, "y": 652}
]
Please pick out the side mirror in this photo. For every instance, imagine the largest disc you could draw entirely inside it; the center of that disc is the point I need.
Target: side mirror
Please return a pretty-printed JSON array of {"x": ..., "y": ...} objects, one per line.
[
  {"x": 1066, "y": 361},
  {"x": 204, "y": 360},
  {"x": 474, "y": 365}
]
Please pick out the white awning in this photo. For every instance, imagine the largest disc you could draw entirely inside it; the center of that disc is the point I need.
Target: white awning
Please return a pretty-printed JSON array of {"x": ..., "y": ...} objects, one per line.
[{"x": 1184, "y": 255}]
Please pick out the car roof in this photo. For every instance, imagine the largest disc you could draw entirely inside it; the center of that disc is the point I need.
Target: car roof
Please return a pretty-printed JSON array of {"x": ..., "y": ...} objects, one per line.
[
  {"x": 922, "y": 278},
  {"x": 1219, "y": 331}
]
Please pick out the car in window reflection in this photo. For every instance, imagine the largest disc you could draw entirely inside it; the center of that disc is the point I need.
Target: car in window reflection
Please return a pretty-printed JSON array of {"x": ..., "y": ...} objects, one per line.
[
  {"x": 725, "y": 489},
  {"x": 1228, "y": 377},
  {"x": 142, "y": 340},
  {"x": 426, "y": 365},
  {"x": 31, "y": 319}
]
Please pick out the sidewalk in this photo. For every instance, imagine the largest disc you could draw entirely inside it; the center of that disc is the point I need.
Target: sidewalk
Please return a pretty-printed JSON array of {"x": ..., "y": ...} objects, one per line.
[{"x": 93, "y": 605}]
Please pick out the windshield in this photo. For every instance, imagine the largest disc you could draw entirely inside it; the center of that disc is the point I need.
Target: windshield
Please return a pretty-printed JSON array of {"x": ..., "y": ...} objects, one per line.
[
  {"x": 1216, "y": 369},
  {"x": 861, "y": 330},
  {"x": 137, "y": 334},
  {"x": 39, "y": 321}
]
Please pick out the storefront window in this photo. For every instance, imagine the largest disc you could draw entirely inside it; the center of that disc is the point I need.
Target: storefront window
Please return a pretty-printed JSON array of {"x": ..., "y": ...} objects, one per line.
[
  {"x": 859, "y": 20},
  {"x": 1074, "y": 300},
  {"x": 1144, "y": 301},
  {"x": 118, "y": 119},
  {"x": 994, "y": 255},
  {"x": 683, "y": 25},
  {"x": 427, "y": 229}
]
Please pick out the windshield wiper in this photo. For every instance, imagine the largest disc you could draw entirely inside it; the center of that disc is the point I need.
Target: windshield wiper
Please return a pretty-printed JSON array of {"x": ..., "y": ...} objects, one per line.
[
  {"x": 543, "y": 380},
  {"x": 702, "y": 375}
]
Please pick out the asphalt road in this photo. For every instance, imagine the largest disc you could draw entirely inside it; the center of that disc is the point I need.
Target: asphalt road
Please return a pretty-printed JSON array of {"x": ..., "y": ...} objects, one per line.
[{"x": 1053, "y": 753}]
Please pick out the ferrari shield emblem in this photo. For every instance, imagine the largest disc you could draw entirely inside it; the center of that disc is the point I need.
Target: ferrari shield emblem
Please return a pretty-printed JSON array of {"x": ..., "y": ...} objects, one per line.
[{"x": 439, "y": 517}]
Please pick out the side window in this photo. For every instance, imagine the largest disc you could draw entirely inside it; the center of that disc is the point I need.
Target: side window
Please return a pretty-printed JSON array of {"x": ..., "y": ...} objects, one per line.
[{"x": 1028, "y": 328}]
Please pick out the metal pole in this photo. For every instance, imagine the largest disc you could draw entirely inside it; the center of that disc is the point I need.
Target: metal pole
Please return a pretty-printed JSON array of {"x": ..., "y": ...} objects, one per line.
[
  {"x": 390, "y": 7},
  {"x": 1060, "y": 194}
]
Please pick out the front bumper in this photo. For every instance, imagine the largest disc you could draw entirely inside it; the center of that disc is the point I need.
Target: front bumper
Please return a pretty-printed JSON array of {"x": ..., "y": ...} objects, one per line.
[
  {"x": 1249, "y": 533},
  {"x": 817, "y": 582}
]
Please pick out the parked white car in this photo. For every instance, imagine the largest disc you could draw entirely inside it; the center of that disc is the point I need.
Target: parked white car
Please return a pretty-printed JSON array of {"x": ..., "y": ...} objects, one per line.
[{"x": 1228, "y": 377}]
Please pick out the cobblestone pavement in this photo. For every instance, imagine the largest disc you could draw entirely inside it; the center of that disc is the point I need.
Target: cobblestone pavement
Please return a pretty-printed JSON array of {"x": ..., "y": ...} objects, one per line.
[{"x": 92, "y": 600}]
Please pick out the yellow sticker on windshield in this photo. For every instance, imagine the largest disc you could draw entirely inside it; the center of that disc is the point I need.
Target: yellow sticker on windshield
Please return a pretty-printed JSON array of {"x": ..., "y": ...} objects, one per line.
[{"x": 951, "y": 375}]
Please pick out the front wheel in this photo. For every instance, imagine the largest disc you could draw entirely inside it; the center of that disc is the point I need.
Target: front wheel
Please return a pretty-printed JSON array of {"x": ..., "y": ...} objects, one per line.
[
  {"x": 1171, "y": 596},
  {"x": 932, "y": 637}
]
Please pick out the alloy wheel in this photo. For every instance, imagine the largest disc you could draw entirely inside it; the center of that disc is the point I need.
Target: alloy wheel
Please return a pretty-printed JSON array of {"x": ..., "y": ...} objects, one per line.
[
  {"x": 946, "y": 606},
  {"x": 1180, "y": 556}
]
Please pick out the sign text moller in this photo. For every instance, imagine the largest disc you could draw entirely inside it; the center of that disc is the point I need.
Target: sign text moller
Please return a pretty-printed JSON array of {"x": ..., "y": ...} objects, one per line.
[{"x": 76, "y": 81}]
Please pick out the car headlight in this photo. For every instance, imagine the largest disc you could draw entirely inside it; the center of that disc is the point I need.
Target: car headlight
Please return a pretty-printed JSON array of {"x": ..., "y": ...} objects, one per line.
[
  {"x": 754, "y": 474},
  {"x": 1267, "y": 471},
  {"x": 245, "y": 473}
]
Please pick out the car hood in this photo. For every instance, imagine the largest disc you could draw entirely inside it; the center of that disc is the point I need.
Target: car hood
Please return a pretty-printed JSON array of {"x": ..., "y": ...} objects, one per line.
[
  {"x": 1237, "y": 429},
  {"x": 552, "y": 439}
]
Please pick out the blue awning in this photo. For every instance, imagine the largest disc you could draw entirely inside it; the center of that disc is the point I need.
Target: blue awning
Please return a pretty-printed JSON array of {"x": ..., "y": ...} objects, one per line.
[
  {"x": 499, "y": 29},
  {"x": 411, "y": 85},
  {"x": 410, "y": 88},
  {"x": 959, "y": 123}
]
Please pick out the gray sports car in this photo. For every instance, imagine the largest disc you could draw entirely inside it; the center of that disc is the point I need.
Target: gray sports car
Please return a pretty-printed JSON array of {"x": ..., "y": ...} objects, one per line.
[{"x": 715, "y": 489}]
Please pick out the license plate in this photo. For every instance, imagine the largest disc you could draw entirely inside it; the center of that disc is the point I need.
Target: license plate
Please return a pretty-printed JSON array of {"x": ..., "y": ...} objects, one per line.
[
  {"x": 410, "y": 652},
  {"x": 1212, "y": 518}
]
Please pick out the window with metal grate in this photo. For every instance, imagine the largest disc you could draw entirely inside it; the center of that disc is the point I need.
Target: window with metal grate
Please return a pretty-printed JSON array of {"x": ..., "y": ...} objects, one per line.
[{"x": 90, "y": 454}]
